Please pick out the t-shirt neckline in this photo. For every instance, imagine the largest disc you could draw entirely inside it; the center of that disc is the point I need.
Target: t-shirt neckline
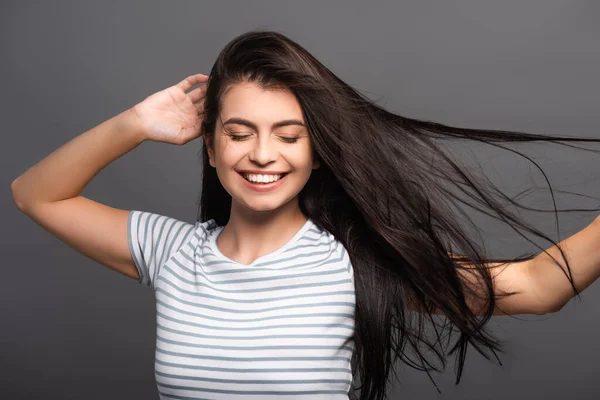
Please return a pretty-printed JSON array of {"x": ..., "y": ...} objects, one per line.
[{"x": 260, "y": 259}]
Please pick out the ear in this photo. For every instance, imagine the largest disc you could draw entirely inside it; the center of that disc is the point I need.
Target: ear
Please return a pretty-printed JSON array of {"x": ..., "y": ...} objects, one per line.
[
  {"x": 316, "y": 161},
  {"x": 211, "y": 160}
]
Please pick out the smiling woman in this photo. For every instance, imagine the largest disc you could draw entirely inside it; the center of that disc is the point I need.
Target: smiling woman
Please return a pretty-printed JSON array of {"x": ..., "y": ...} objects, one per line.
[{"x": 324, "y": 227}]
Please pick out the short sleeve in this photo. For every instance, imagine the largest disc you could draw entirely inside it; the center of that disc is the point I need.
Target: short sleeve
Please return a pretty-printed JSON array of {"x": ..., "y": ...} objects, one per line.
[
  {"x": 153, "y": 239},
  {"x": 346, "y": 261}
]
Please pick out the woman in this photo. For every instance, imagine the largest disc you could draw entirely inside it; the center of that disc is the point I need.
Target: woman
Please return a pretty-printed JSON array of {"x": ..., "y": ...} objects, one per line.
[{"x": 325, "y": 221}]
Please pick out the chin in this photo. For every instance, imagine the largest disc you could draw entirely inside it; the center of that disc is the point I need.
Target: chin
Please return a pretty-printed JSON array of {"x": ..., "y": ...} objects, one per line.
[
  {"x": 263, "y": 207},
  {"x": 266, "y": 204}
]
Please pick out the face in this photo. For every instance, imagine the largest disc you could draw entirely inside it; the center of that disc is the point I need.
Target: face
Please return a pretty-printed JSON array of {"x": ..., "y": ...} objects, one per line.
[{"x": 262, "y": 131}]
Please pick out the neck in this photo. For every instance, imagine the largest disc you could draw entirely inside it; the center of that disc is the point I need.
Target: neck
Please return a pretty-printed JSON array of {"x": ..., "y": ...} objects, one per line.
[{"x": 250, "y": 234}]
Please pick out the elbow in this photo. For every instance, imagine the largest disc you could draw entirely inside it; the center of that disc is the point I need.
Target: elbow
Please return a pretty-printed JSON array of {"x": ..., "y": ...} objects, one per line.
[
  {"x": 544, "y": 295},
  {"x": 12, "y": 190},
  {"x": 552, "y": 307},
  {"x": 16, "y": 200}
]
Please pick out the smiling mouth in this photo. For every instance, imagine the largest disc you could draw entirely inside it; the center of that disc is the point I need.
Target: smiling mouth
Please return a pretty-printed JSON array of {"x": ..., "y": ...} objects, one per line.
[{"x": 245, "y": 176}]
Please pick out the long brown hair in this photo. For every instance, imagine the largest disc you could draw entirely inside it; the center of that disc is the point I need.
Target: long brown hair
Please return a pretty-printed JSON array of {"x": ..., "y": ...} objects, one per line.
[{"x": 389, "y": 192}]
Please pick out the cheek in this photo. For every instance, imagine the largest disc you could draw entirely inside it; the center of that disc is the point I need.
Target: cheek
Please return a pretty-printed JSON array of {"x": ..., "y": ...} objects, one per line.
[
  {"x": 228, "y": 154},
  {"x": 302, "y": 155}
]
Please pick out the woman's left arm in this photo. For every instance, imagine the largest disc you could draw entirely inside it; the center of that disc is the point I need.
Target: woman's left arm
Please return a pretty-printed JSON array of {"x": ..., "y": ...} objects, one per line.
[
  {"x": 542, "y": 286},
  {"x": 583, "y": 253}
]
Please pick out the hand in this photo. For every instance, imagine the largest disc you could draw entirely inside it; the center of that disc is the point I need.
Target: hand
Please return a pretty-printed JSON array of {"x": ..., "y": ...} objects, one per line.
[{"x": 172, "y": 115}]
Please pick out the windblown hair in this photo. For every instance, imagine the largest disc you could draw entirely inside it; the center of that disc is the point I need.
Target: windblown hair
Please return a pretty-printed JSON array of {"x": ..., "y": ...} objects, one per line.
[{"x": 389, "y": 192}]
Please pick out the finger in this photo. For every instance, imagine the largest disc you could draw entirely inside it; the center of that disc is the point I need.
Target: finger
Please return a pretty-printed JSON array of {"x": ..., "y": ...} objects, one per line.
[
  {"x": 191, "y": 81},
  {"x": 197, "y": 94}
]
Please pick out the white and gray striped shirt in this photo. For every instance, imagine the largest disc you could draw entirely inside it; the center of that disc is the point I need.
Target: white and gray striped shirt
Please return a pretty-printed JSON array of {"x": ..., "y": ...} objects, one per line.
[{"x": 280, "y": 327}]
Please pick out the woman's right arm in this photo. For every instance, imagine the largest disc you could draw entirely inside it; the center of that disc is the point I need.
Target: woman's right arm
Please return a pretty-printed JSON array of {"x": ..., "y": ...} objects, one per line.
[{"x": 49, "y": 193}]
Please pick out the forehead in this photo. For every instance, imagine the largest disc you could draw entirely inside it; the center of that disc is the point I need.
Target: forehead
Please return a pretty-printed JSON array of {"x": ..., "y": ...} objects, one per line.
[{"x": 248, "y": 100}]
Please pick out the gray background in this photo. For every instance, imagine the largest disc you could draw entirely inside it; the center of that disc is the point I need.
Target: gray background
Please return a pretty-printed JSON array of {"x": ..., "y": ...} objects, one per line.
[{"x": 72, "y": 329}]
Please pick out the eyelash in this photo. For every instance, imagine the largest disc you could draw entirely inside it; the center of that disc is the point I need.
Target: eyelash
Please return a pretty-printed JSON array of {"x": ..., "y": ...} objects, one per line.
[{"x": 238, "y": 138}]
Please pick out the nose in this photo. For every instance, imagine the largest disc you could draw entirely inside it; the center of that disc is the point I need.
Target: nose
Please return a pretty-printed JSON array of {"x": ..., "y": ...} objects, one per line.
[{"x": 263, "y": 151}]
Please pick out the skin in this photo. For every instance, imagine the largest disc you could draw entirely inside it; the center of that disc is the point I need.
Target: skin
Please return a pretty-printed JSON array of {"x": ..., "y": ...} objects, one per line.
[{"x": 260, "y": 223}]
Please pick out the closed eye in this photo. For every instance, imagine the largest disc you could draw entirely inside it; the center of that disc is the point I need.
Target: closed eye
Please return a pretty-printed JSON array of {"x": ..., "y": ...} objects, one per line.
[{"x": 238, "y": 138}]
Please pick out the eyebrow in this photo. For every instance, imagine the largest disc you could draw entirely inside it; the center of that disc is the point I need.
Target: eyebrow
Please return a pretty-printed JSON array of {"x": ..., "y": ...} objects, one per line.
[{"x": 250, "y": 124}]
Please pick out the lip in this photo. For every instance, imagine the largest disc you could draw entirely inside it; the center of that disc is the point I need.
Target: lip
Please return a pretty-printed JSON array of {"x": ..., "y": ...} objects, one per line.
[
  {"x": 263, "y": 187},
  {"x": 258, "y": 172}
]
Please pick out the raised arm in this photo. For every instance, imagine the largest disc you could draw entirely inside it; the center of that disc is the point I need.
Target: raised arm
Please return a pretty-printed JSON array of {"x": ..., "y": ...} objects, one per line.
[{"x": 49, "y": 193}]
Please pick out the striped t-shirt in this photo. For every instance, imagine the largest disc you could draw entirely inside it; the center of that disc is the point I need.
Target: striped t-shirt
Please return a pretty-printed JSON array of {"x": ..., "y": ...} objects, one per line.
[{"x": 279, "y": 327}]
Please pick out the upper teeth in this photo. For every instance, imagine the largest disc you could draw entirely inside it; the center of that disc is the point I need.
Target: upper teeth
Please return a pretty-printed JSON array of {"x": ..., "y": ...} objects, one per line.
[{"x": 262, "y": 178}]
